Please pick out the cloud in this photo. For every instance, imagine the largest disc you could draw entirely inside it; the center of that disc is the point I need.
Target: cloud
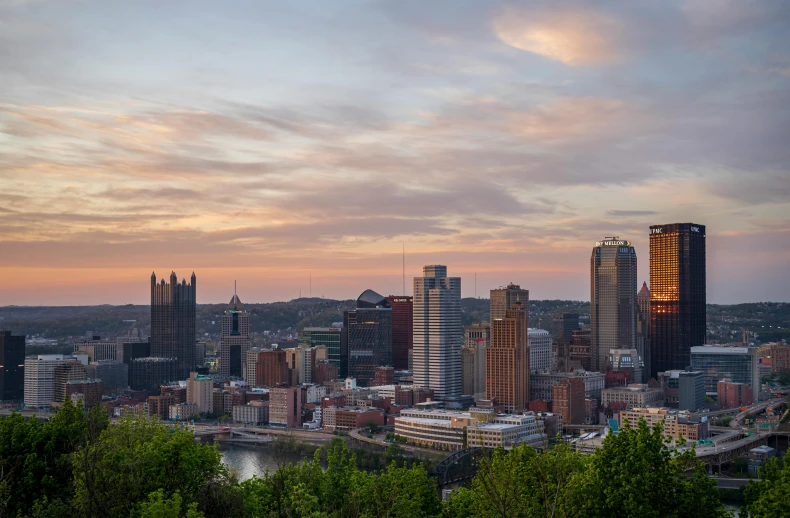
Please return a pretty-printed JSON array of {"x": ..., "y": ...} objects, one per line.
[
  {"x": 573, "y": 37},
  {"x": 619, "y": 213}
]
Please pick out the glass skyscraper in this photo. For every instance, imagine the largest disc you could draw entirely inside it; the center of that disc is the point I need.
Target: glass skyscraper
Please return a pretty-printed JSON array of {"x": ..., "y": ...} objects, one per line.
[
  {"x": 438, "y": 332},
  {"x": 613, "y": 305},
  {"x": 739, "y": 364},
  {"x": 173, "y": 313},
  {"x": 677, "y": 294},
  {"x": 329, "y": 337},
  {"x": 369, "y": 329}
]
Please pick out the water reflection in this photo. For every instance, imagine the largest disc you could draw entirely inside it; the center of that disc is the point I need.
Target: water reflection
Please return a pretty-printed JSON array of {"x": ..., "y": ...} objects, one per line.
[{"x": 249, "y": 460}]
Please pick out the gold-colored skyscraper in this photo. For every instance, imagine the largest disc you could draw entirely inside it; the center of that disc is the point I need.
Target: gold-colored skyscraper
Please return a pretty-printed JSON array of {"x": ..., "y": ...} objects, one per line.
[{"x": 507, "y": 360}]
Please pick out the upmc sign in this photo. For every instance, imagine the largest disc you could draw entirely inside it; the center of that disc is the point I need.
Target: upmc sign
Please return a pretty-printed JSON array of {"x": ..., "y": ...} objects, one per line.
[{"x": 656, "y": 231}]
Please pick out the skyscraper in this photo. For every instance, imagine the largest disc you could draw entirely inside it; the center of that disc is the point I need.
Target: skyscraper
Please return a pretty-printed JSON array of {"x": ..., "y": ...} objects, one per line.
[
  {"x": 477, "y": 338},
  {"x": 12, "y": 366},
  {"x": 502, "y": 299},
  {"x": 402, "y": 330},
  {"x": 677, "y": 294},
  {"x": 438, "y": 333},
  {"x": 507, "y": 360},
  {"x": 173, "y": 323},
  {"x": 643, "y": 329},
  {"x": 369, "y": 329},
  {"x": 612, "y": 302},
  {"x": 234, "y": 340}
]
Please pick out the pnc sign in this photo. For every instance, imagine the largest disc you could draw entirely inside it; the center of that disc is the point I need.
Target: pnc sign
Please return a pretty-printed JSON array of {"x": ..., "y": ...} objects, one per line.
[
  {"x": 656, "y": 231},
  {"x": 695, "y": 229}
]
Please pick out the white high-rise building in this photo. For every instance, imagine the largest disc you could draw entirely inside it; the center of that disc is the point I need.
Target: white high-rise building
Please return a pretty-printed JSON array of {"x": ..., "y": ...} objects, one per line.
[
  {"x": 438, "y": 333},
  {"x": 539, "y": 350},
  {"x": 40, "y": 379}
]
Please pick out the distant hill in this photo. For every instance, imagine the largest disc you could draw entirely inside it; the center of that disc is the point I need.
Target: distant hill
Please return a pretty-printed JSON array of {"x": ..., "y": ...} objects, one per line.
[{"x": 770, "y": 321}]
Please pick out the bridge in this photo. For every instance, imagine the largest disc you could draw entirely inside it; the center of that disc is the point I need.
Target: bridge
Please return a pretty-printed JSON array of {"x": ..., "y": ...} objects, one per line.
[{"x": 458, "y": 467}]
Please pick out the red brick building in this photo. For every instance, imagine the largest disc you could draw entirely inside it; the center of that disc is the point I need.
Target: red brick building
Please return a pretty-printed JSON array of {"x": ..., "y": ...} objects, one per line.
[
  {"x": 271, "y": 370},
  {"x": 160, "y": 405},
  {"x": 567, "y": 399},
  {"x": 734, "y": 395},
  {"x": 383, "y": 376},
  {"x": 91, "y": 390}
]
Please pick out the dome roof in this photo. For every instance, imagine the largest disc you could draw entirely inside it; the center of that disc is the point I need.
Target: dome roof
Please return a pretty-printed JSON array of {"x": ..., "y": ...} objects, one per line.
[{"x": 371, "y": 299}]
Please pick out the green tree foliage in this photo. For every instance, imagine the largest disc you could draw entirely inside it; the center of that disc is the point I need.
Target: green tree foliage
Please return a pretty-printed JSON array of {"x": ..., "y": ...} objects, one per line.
[
  {"x": 34, "y": 457},
  {"x": 141, "y": 456},
  {"x": 770, "y": 496},
  {"x": 636, "y": 474}
]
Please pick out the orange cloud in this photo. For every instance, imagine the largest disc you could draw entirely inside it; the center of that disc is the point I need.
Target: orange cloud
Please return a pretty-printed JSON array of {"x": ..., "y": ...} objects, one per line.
[{"x": 578, "y": 38}]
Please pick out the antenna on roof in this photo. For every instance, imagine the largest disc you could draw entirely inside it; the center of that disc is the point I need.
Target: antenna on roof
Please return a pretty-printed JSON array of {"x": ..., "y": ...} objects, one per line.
[
  {"x": 311, "y": 285},
  {"x": 234, "y": 287},
  {"x": 404, "y": 267}
]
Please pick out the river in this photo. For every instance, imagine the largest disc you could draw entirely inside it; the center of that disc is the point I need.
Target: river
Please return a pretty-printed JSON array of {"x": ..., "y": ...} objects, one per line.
[{"x": 250, "y": 460}]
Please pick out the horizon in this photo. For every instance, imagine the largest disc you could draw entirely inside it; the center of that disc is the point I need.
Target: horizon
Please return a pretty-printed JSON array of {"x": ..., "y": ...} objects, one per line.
[{"x": 272, "y": 143}]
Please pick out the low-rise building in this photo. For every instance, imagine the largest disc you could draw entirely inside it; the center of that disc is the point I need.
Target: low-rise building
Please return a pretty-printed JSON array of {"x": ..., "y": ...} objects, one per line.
[
  {"x": 91, "y": 390},
  {"x": 183, "y": 411},
  {"x": 541, "y": 382},
  {"x": 632, "y": 396},
  {"x": 251, "y": 414},
  {"x": 507, "y": 431},
  {"x": 348, "y": 418},
  {"x": 676, "y": 423},
  {"x": 734, "y": 395},
  {"x": 758, "y": 457}
]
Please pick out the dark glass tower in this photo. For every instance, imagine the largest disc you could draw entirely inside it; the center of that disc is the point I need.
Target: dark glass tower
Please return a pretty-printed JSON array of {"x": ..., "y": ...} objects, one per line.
[
  {"x": 369, "y": 329},
  {"x": 12, "y": 367},
  {"x": 173, "y": 323},
  {"x": 677, "y": 294},
  {"x": 402, "y": 329}
]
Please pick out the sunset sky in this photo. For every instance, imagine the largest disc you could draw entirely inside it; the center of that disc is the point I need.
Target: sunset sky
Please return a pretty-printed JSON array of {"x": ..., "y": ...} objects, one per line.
[{"x": 271, "y": 141}]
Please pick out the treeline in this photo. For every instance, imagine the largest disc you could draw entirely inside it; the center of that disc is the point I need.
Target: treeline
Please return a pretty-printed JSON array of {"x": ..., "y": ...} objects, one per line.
[{"x": 78, "y": 465}]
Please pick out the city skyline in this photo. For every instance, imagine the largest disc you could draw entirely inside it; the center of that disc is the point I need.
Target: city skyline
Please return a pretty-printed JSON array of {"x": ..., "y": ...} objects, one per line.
[{"x": 319, "y": 137}]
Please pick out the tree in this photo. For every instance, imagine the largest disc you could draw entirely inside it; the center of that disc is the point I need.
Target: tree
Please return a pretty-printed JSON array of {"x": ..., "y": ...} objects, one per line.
[
  {"x": 34, "y": 457},
  {"x": 159, "y": 506},
  {"x": 524, "y": 483},
  {"x": 635, "y": 473},
  {"x": 770, "y": 496},
  {"x": 740, "y": 465},
  {"x": 140, "y": 456}
]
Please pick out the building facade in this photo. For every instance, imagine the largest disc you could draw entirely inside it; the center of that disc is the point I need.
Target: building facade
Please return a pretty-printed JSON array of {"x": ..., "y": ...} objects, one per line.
[
  {"x": 271, "y": 369},
  {"x": 402, "y": 330},
  {"x": 114, "y": 375},
  {"x": 677, "y": 294},
  {"x": 643, "y": 329},
  {"x": 507, "y": 361},
  {"x": 541, "y": 383},
  {"x": 285, "y": 407},
  {"x": 234, "y": 340},
  {"x": 507, "y": 431},
  {"x": 438, "y": 333},
  {"x": 613, "y": 307},
  {"x": 540, "y": 355},
  {"x": 477, "y": 338},
  {"x": 734, "y": 395},
  {"x": 173, "y": 322},
  {"x": 12, "y": 367},
  {"x": 151, "y": 373},
  {"x": 739, "y": 364},
  {"x": 68, "y": 370},
  {"x": 40, "y": 379},
  {"x": 332, "y": 339},
  {"x": 567, "y": 400},
  {"x": 691, "y": 390},
  {"x": 633, "y": 396},
  {"x": 502, "y": 299},
  {"x": 199, "y": 391},
  {"x": 676, "y": 424},
  {"x": 369, "y": 336}
]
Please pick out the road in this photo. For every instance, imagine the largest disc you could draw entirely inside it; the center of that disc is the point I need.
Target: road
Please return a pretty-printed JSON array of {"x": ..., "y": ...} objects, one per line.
[{"x": 731, "y": 483}]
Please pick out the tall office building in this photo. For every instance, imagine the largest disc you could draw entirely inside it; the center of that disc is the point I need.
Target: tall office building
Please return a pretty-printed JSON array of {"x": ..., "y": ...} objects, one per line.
[
  {"x": 369, "y": 332},
  {"x": 12, "y": 367},
  {"x": 234, "y": 340},
  {"x": 507, "y": 360},
  {"x": 40, "y": 379},
  {"x": 68, "y": 370},
  {"x": 402, "y": 330},
  {"x": 438, "y": 333},
  {"x": 677, "y": 294},
  {"x": 173, "y": 323},
  {"x": 477, "y": 338},
  {"x": 612, "y": 299},
  {"x": 330, "y": 337},
  {"x": 562, "y": 327},
  {"x": 502, "y": 299},
  {"x": 643, "y": 329},
  {"x": 539, "y": 350}
]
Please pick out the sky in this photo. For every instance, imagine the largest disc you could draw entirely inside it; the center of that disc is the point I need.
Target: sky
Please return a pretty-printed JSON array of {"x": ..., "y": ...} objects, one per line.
[{"x": 298, "y": 147}]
